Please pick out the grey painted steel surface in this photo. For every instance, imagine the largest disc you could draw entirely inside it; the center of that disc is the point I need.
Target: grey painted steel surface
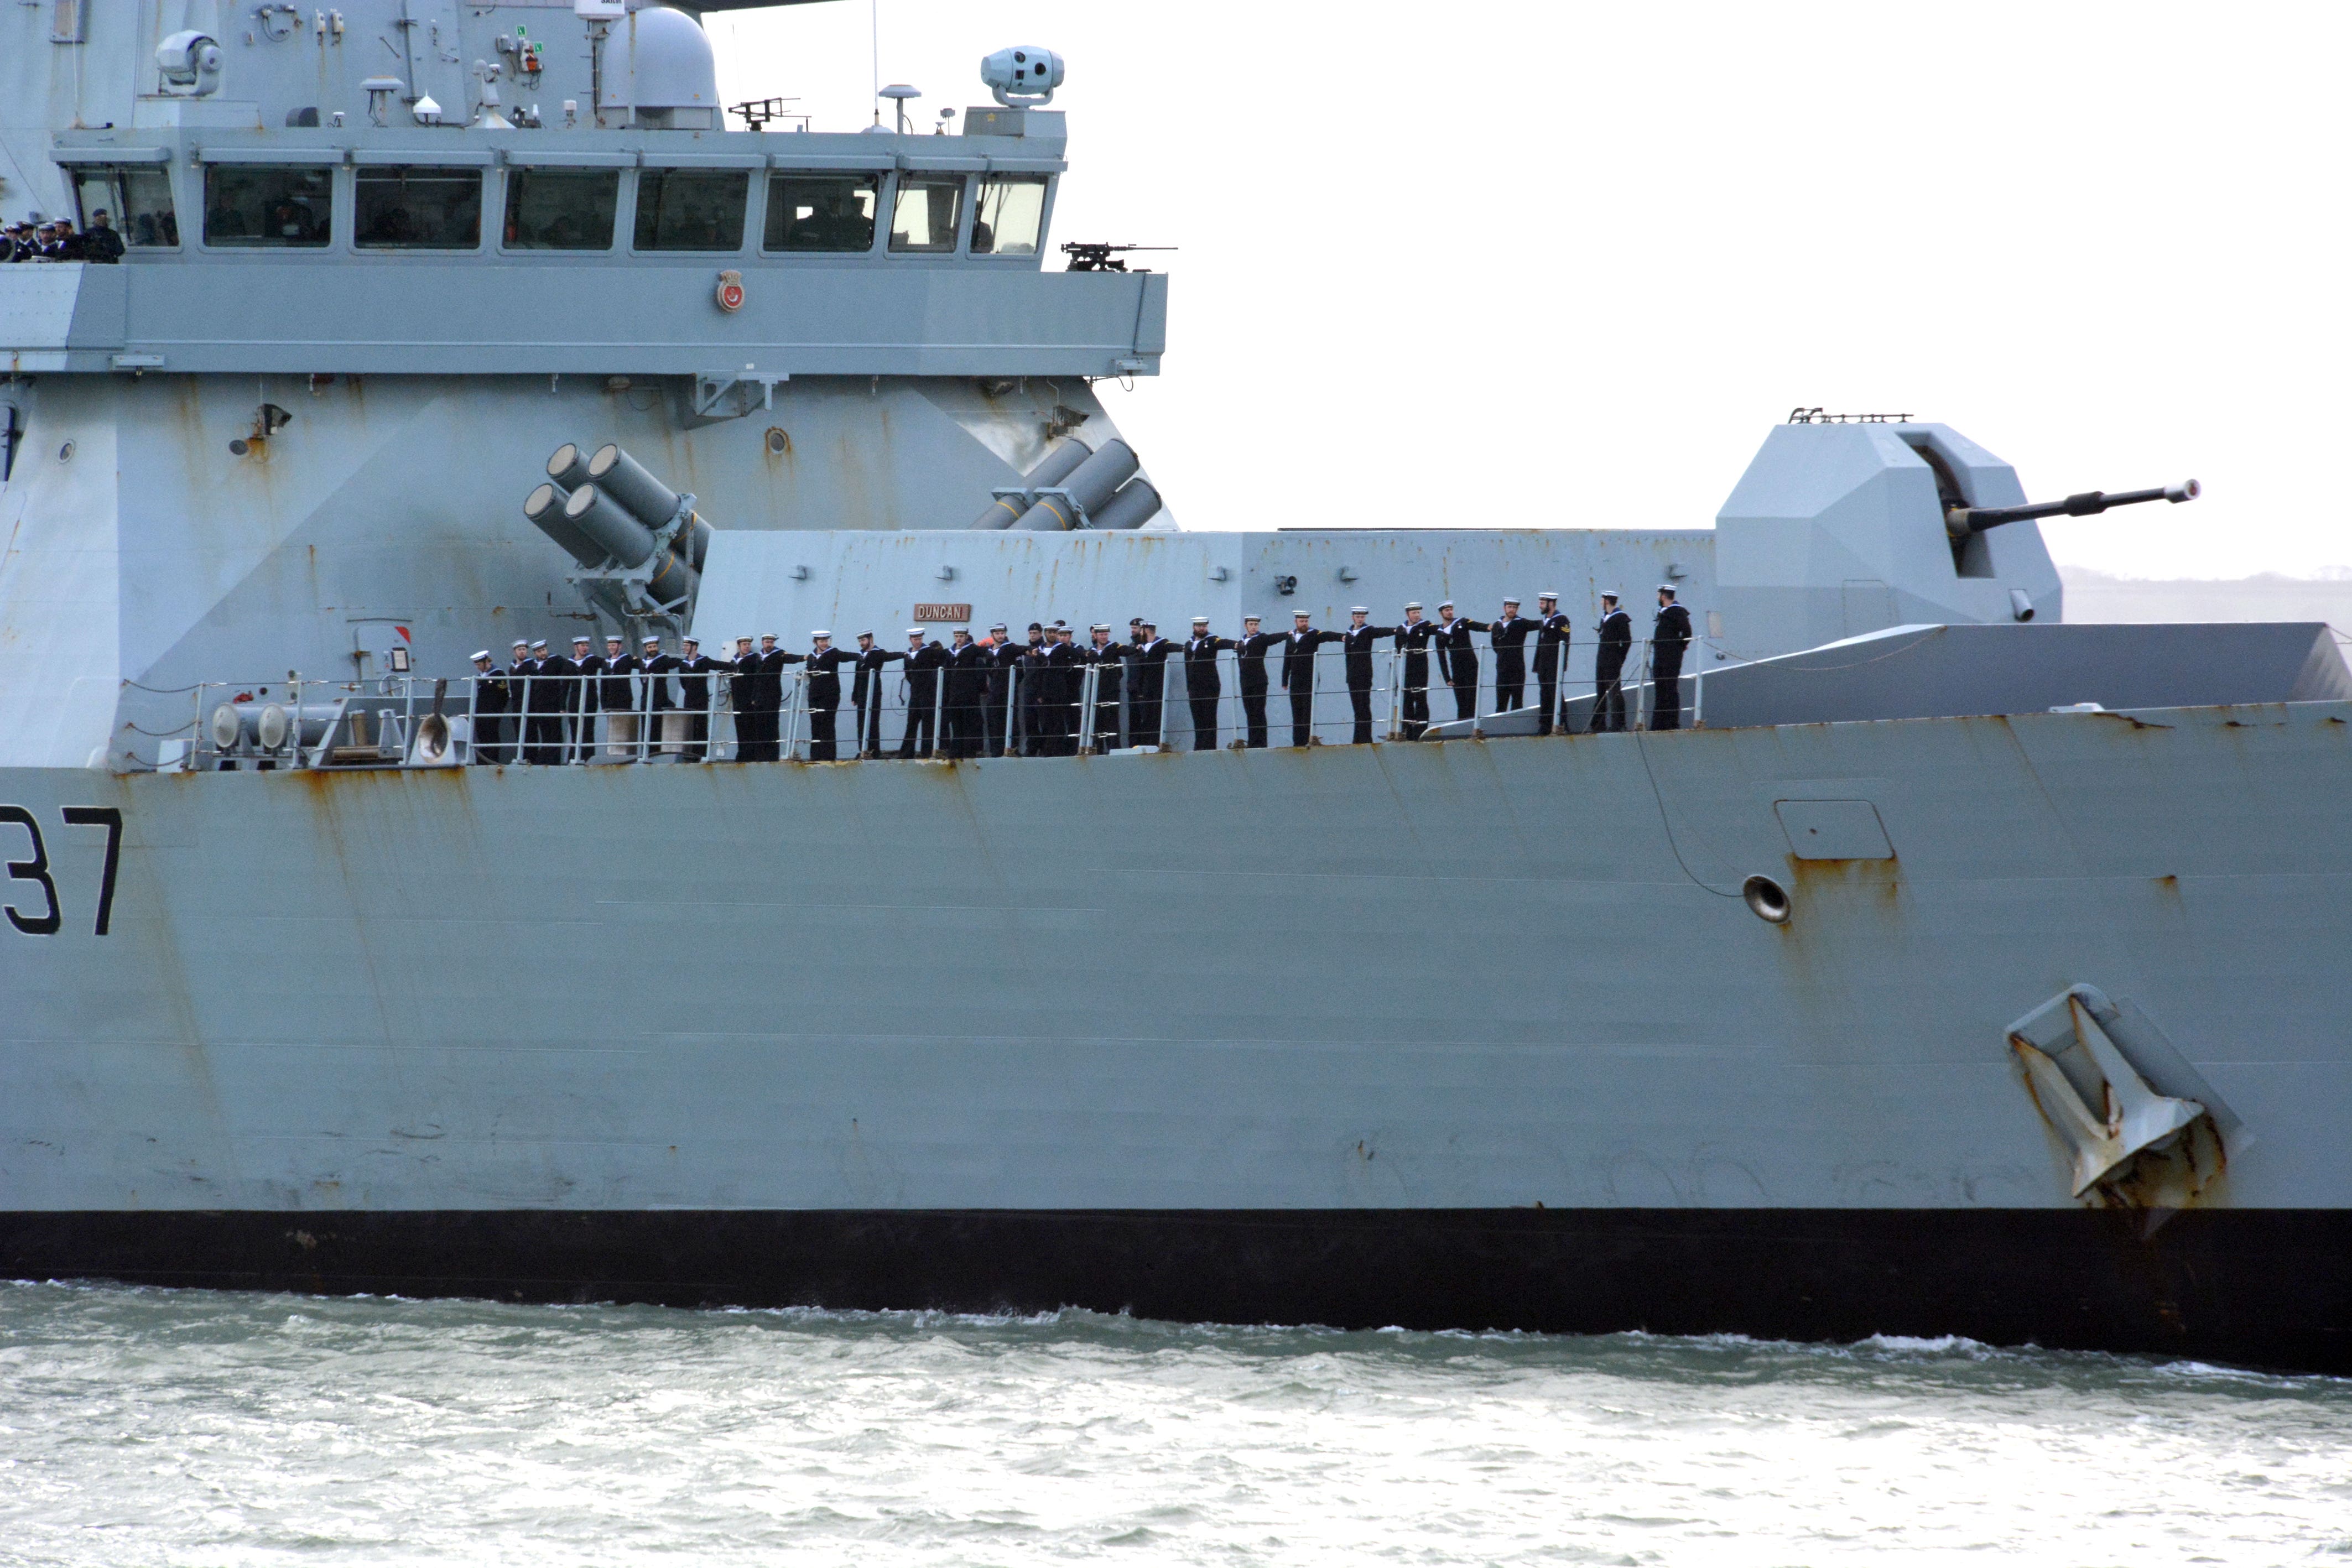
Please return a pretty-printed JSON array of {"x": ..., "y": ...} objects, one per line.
[{"x": 789, "y": 985}]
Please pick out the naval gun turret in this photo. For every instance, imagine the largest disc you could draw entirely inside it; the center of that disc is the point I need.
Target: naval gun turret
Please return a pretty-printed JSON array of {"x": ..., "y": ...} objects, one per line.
[{"x": 1961, "y": 522}]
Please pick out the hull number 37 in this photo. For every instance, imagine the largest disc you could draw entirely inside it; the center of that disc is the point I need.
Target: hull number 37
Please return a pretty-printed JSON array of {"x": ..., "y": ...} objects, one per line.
[{"x": 31, "y": 894}]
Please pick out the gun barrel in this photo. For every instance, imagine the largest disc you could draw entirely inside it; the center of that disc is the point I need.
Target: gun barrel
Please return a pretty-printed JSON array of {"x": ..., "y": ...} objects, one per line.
[{"x": 1962, "y": 521}]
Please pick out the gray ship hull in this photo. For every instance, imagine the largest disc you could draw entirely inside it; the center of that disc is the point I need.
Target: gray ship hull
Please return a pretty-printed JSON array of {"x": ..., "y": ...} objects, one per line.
[{"x": 1467, "y": 1035}]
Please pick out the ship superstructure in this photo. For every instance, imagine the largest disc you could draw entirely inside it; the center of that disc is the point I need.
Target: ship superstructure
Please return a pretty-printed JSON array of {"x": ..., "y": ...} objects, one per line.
[{"x": 1960, "y": 971}]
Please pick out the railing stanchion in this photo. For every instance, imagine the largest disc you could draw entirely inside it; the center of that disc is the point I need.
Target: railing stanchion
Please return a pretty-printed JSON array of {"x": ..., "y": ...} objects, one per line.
[{"x": 1089, "y": 684}]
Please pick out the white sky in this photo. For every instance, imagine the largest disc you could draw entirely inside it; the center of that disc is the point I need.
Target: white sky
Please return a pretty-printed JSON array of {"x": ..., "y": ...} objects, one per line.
[{"x": 1563, "y": 264}]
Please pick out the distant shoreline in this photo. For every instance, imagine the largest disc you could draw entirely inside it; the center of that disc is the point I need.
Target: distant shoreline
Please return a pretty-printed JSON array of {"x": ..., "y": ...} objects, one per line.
[{"x": 2098, "y": 596}]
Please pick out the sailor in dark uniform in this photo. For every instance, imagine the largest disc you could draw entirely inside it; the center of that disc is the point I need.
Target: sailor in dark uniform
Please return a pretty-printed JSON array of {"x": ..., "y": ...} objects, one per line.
[
  {"x": 866, "y": 693},
  {"x": 1147, "y": 670},
  {"x": 580, "y": 702},
  {"x": 594, "y": 684},
  {"x": 490, "y": 711},
  {"x": 542, "y": 703},
  {"x": 741, "y": 681},
  {"x": 1457, "y": 660},
  {"x": 624, "y": 705},
  {"x": 1070, "y": 678},
  {"x": 967, "y": 678},
  {"x": 660, "y": 699},
  {"x": 1003, "y": 655},
  {"x": 1509, "y": 637},
  {"x": 770, "y": 695},
  {"x": 1202, "y": 685},
  {"x": 924, "y": 661},
  {"x": 1551, "y": 655},
  {"x": 1412, "y": 637},
  {"x": 1299, "y": 674},
  {"x": 694, "y": 671},
  {"x": 1616, "y": 641},
  {"x": 1668, "y": 640},
  {"x": 1357, "y": 642},
  {"x": 1250, "y": 649},
  {"x": 1109, "y": 659},
  {"x": 825, "y": 662},
  {"x": 562, "y": 677}
]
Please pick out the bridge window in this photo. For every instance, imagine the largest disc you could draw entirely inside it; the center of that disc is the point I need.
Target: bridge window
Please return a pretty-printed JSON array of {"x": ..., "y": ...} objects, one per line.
[
  {"x": 418, "y": 209},
  {"x": 137, "y": 204},
  {"x": 1011, "y": 210},
  {"x": 562, "y": 209},
  {"x": 691, "y": 209},
  {"x": 928, "y": 209},
  {"x": 823, "y": 212},
  {"x": 247, "y": 205}
]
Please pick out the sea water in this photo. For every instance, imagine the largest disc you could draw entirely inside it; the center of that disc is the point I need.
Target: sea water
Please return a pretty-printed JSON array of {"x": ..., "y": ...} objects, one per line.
[{"x": 156, "y": 1427}]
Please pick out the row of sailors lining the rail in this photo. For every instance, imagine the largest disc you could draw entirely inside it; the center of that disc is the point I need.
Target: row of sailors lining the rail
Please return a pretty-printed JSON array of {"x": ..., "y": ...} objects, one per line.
[{"x": 992, "y": 696}]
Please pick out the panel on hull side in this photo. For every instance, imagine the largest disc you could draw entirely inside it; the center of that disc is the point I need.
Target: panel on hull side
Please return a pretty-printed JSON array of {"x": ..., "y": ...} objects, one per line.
[{"x": 2266, "y": 1288}]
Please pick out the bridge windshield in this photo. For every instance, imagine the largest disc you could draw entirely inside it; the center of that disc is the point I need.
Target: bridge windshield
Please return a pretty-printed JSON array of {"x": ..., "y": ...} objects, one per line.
[
  {"x": 137, "y": 204},
  {"x": 247, "y": 205},
  {"x": 928, "y": 210},
  {"x": 1011, "y": 210},
  {"x": 691, "y": 209},
  {"x": 562, "y": 209},
  {"x": 823, "y": 212},
  {"x": 418, "y": 209}
]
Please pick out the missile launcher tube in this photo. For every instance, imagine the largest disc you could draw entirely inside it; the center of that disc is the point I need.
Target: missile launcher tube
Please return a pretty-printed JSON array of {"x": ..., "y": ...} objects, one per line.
[
  {"x": 544, "y": 508},
  {"x": 1055, "y": 466},
  {"x": 612, "y": 529},
  {"x": 1090, "y": 484},
  {"x": 625, "y": 480},
  {"x": 1135, "y": 503}
]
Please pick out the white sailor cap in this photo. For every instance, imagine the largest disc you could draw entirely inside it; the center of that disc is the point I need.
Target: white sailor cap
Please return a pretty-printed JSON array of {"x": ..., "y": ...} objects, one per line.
[
  {"x": 1667, "y": 588},
  {"x": 1445, "y": 604},
  {"x": 653, "y": 641},
  {"x": 770, "y": 637},
  {"x": 1510, "y": 601},
  {"x": 1359, "y": 610},
  {"x": 826, "y": 635},
  {"x": 540, "y": 644},
  {"x": 616, "y": 637},
  {"x": 580, "y": 639},
  {"x": 1099, "y": 626},
  {"x": 1412, "y": 604},
  {"x": 520, "y": 643},
  {"x": 914, "y": 631},
  {"x": 1547, "y": 593},
  {"x": 866, "y": 634},
  {"x": 691, "y": 642},
  {"x": 744, "y": 638},
  {"x": 1199, "y": 621},
  {"x": 480, "y": 654},
  {"x": 1610, "y": 593}
]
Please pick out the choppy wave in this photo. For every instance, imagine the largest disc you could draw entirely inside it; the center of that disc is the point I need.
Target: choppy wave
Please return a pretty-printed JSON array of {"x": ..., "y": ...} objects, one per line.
[{"x": 141, "y": 1427}]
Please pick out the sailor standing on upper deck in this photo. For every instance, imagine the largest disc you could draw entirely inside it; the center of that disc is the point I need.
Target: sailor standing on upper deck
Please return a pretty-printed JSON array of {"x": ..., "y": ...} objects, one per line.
[
  {"x": 866, "y": 693},
  {"x": 1509, "y": 637},
  {"x": 544, "y": 710},
  {"x": 1616, "y": 643},
  {"x": 1412, "y": 637},
  {"x": 490, "y": 709},
  {"x": 1250, "y": 649},
  {"x": 580, "y": 701},
  {"x": 1552, "y": 630},
  {"x": 1202, "y": 685},
  {"x": 825, "y": 662},
  {"x": 1109, "y": 659},
  {"x": 924, "y": 661},
  {"x": 1357, "y": 641},
  {"x": 742, "y": 687},
  {"x": 1668, "y": 639},
  {"x": 1457, "y": 660},
  {"x": 1298, "y": 674},
  {"x": 770, "y": 695},
  {"x": 694, "y": 672},
  {"x": 1148, "y": 684}
]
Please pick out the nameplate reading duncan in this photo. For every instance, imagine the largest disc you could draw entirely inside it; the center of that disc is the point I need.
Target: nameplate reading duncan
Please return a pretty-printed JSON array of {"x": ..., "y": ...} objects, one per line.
[{"x": 950, "y": 613}]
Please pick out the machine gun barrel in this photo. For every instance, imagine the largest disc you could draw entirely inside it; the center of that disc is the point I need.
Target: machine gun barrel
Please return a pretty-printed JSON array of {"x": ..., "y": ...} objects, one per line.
[{"x": 1962, "y": 521}]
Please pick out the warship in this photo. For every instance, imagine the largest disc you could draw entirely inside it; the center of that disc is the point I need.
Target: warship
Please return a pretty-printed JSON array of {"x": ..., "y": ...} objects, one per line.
[{"x": 1955, "y": 970}]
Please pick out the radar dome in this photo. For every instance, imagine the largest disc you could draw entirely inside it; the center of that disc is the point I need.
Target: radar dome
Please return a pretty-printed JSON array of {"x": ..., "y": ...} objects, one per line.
[{"x": 659, "y": 65}]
